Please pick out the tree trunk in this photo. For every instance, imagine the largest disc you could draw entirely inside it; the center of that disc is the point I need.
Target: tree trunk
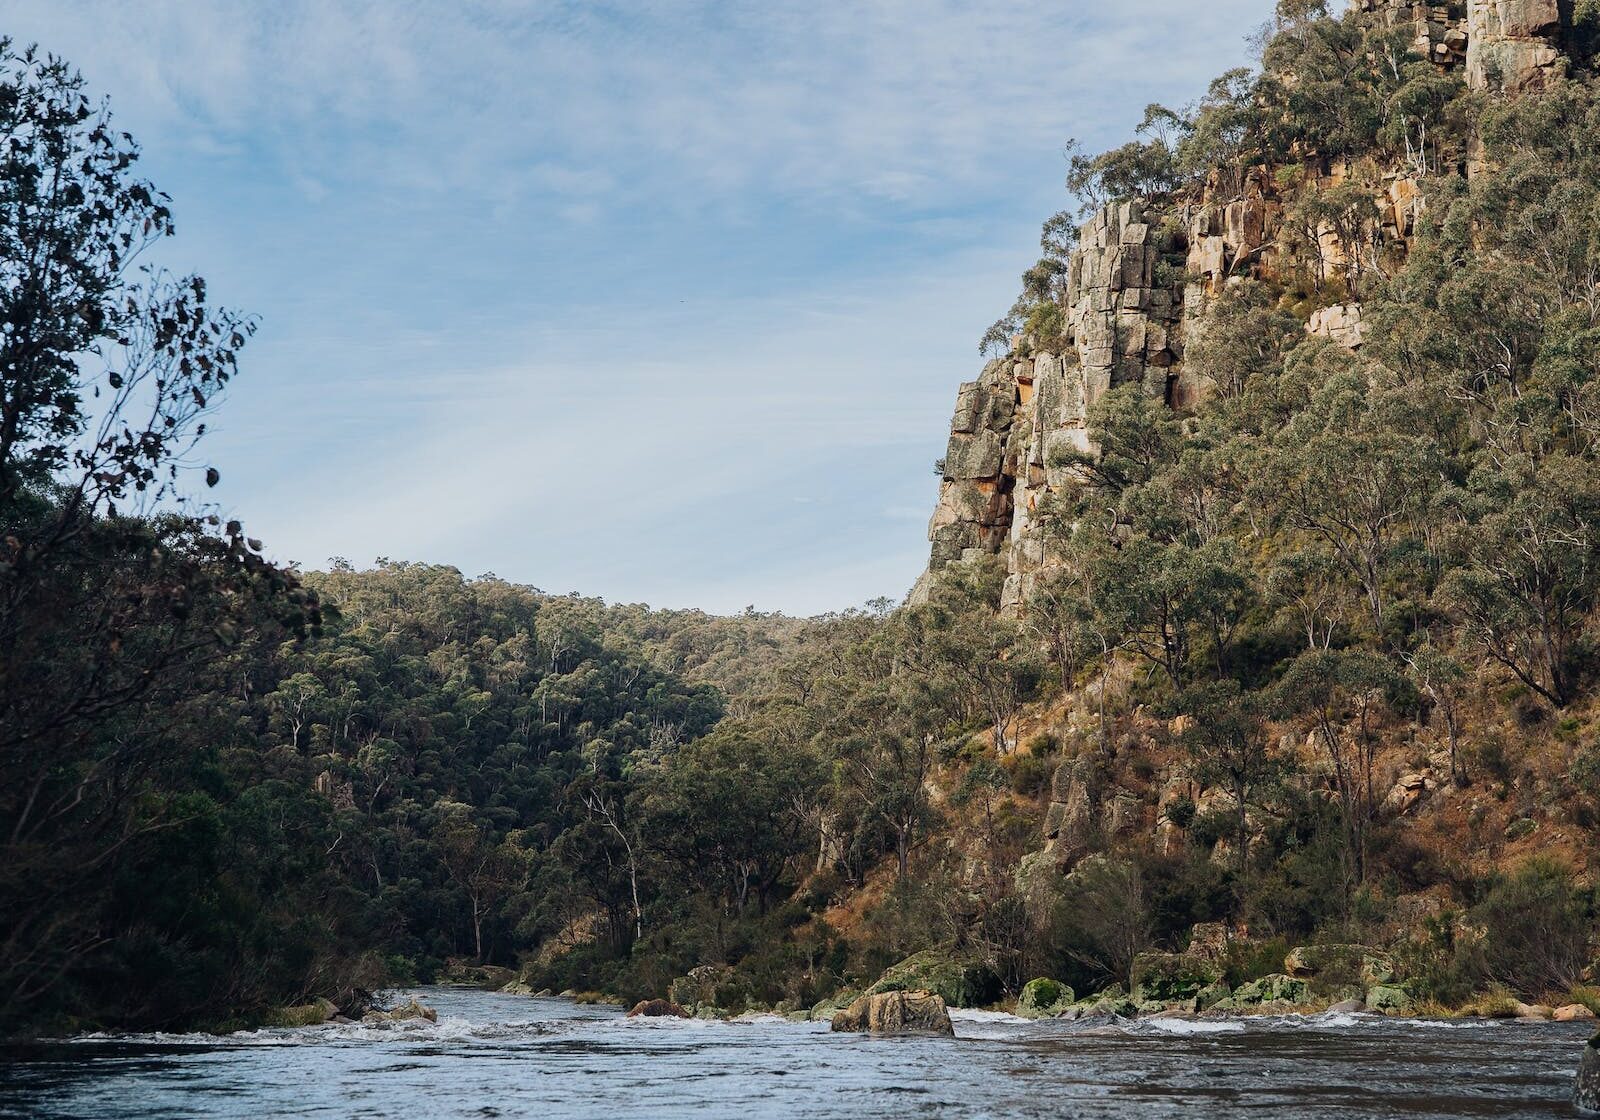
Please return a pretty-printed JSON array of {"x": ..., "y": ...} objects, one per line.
[{"x": 477, "y": 929}]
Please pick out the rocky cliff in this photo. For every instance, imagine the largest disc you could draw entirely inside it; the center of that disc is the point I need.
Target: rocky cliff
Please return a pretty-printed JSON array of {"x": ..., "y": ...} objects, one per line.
[{"x": 1143, "y": 275}]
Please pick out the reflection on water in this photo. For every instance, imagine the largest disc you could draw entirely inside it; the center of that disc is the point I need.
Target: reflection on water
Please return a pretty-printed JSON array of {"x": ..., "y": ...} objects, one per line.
[{"x": 492, "y": 1055}]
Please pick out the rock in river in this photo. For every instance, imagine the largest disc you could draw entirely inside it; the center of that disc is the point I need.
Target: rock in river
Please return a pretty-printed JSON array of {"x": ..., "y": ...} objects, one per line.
[
  {"x": 415, "y": 1010},
  {"x": 657, "y": 1009},
  {"x": 1587, "y": 1096},
  {"x": 1044, "y": 998},
  {"x": 899, "y": 1012}
]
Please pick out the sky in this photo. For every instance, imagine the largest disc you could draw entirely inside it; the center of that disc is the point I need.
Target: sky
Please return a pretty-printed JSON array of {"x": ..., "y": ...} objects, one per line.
[{"x": 662, "y": 301}]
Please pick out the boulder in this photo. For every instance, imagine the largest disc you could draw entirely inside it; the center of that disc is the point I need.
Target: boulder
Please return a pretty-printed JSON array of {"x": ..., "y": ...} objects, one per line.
[
  {"x": 1348, "y": 1007},
  {"x": 1408, "y": 792},
  {"x": 960, "y": 981},
  {"x": 699, "y": 987},
  {"x": 1109, "y": 1003},
  {"x": 1572, "y": 1013},
  {"x": 1172, "y": 977},
  {"x": 1341, "y": 323},
  {"x": 1587, "y": 1096},
  {"x": 1044, "y": 999},
  {"x": 896, "y": 1012},
  {"x": 1386, "y": 999},
  {"x": 468, "y": 974},
  {"x": 658, "y": 1009},
  {"x": 1211, "y": 995},
  {"x": 517, "y": 988},
  {"x": 1533, "y": 1012},
  {"x": 1276, "y": 988},
  {"x": 1208, "y": 941},
  {"x": 414, "y": 1010}
]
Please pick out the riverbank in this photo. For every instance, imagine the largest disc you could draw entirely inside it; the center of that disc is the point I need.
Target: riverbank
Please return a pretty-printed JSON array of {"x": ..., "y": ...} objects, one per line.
[{"x": 1213, "y": 978}]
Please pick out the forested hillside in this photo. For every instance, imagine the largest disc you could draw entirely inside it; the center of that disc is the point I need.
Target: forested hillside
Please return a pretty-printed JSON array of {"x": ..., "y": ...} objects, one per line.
[{"x": 1259, "y": 616}]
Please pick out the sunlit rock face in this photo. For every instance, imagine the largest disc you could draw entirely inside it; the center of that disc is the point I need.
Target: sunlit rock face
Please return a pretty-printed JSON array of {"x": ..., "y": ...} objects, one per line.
[
  {"x": 1514, "y": 45},
  {"x": 1135, "y": 282},
  {"x": 1016, "y": 427},
  {"x": 1510, "y": 45},
  {"x": 1139, "y": 283}
]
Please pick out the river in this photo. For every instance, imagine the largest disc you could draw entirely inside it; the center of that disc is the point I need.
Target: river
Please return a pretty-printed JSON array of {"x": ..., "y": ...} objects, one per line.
[{"x": 495, "y": 1055}]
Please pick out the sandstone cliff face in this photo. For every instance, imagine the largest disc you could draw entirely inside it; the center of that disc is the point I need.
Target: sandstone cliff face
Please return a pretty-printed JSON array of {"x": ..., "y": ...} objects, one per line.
[
  {"x": 1139, "y": 282},
  {"x": 1506, "y": 44},
  {"x": 1125, "y": 307},
  {"x": 1135, "y": 283},
  {"x": 1513, "y": 44}
]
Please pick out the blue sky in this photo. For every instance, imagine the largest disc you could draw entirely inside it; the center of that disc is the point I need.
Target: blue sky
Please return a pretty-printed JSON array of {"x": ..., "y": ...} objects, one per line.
[{"x": 662, "y": 302}]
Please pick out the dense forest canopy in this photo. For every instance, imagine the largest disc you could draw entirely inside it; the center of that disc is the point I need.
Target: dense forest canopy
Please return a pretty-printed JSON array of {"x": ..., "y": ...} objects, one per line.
[{"x": 228, "y": 786}]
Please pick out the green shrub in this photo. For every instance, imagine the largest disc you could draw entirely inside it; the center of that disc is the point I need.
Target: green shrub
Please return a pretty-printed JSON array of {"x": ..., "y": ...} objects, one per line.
[
  {"x": 1247, "y": 961},
  {"x": 1044, "y": 744},
  {"x": 1537, "y": 926},
  {"x": 1441, "y": 966},
  {"x": 1029, "y": 774},
  {"x": 1181, "y": 812}
]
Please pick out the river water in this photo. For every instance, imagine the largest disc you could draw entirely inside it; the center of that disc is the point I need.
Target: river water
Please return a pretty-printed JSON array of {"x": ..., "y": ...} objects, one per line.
[{"x": 497, "y": 1055}]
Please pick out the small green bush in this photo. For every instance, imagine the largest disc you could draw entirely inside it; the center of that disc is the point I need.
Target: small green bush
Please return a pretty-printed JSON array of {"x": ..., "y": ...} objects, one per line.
[{"x": 1537, "y": 925}]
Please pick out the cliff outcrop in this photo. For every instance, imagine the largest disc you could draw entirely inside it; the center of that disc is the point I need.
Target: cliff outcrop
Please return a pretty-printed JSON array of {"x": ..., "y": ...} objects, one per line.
[{"x": 1144, "y": 272}]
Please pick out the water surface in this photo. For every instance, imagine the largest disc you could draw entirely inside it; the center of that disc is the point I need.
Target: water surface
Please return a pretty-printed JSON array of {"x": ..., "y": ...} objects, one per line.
[{"x": 496, "y": 1055}]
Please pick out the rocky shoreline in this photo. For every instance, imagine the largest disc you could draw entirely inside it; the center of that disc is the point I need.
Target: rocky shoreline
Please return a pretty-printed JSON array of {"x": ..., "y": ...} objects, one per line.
[{"x": 1316, "y": 980}]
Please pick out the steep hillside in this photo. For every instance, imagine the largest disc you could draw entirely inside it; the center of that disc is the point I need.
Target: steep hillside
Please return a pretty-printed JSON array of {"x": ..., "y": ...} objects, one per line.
[{"x": 1259, "y": 607}]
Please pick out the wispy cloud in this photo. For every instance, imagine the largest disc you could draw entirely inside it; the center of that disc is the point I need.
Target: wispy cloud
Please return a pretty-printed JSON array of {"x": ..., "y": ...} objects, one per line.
[
  {"x": 594, "y": 293},
  {"x": 894, "y": 99}
]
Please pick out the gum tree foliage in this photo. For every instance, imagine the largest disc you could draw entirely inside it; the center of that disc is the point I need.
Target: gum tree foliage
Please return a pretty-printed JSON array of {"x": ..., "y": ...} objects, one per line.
[{"x": 108, "y": 618}]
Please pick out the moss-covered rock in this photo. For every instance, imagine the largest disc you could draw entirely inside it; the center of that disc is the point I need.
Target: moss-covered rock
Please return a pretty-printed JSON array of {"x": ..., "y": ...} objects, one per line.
[
  {"x": 470, "y": 974},
  {"x": 959, "y": 980},
  {"x": 1389, "y": 999},
  {"x": 1587, "y": 1095},
  {"x": 1172, "y": 977},
  {"x": 1276, "y": 988},
  {"x": 824, "y": 1010},
  {"x": 700, "y": 987},
  {"x": 1211, "y": 995},
  {"x": 1044, "y": 998},
  {"x": 1112, "y": 1001}
]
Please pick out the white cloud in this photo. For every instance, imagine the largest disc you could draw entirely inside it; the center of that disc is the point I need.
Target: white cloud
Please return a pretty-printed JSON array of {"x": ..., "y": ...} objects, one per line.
[
  {"x": 898, "y": 99},
  {"x": 661, "y": 300}
]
